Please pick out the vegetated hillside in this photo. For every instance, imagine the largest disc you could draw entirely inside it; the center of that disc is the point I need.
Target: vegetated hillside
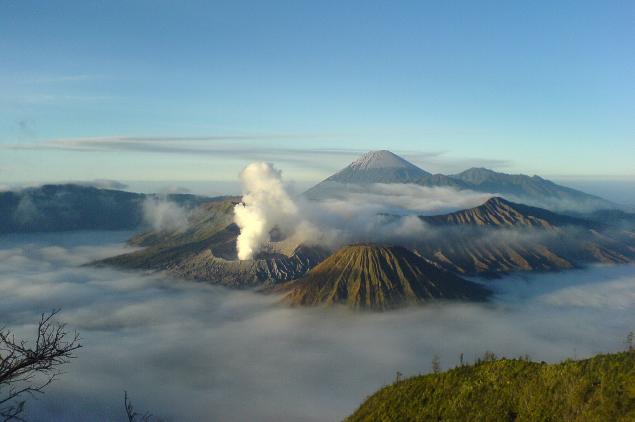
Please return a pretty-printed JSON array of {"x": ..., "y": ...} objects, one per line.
[
  {"x": 598, "y": 389},
  {"x": 66, "y": 207},
  {"x": 378, "y": 278},
  {"x": 500, "y": 237},
  {"x": 206, "y": 251}
]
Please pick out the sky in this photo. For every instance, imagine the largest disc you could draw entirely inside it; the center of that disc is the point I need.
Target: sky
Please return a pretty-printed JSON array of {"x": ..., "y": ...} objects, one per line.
[{"x": 158, "y": 91}]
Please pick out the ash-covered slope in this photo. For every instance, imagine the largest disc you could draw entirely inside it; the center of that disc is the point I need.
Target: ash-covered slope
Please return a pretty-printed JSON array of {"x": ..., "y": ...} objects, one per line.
[
  {"x": 500, "y": 237},
  {"x": 206, "y": 251},
  {"x": 497, "y": 211},
  {"x": 378, "y": 278},
  {"x": 379, "y": 167}
]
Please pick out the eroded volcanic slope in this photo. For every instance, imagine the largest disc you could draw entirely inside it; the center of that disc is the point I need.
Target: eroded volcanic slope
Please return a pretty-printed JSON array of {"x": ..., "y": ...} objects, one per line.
[
  {"x": 497, "y": 211},
  {"x": 495, "y": 238},
  {"x": 206, "y": 251},
  {"x": 500, "y": 237},
  {"x": 378, "y": 278}
]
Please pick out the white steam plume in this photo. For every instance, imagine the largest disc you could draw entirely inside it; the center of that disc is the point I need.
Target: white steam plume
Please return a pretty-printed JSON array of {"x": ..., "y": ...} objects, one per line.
[
  {"x": 359, "y": 216},
  {"x": 265, "y": 205}
]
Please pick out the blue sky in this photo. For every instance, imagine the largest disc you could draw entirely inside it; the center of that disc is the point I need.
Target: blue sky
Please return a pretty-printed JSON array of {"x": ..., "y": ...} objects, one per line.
[{"x": 192, "y": 91}]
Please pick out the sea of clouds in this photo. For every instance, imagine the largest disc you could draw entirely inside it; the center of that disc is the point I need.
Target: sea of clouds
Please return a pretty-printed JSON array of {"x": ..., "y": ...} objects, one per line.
[
  {"x": 188, "y": 351},
  {"x": 365, "y": 213}
]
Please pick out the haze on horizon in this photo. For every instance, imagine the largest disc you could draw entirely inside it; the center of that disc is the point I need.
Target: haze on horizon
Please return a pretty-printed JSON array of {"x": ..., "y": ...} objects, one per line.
[
  {"x": 346, "y": 245},
  {"x": 152, "y": 94}
]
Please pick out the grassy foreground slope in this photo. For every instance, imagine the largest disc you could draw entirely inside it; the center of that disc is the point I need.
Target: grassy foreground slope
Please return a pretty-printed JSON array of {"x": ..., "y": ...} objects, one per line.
[{"x": 601, "y": 388}]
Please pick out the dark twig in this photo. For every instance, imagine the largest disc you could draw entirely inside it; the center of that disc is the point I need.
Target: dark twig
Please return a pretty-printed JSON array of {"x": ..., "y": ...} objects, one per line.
[
  {"x": 132, "y": 415},
  {"x": 27, "y": 369}
]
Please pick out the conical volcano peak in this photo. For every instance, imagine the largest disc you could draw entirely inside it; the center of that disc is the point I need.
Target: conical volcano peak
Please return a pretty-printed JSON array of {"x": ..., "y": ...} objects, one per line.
[
  {"x": 366, "y": 276},
  {"x": 380, "y": 159},
  {"x": 498, "y": 201},
  {"x": 497, "y": 211},
  {"x": 373, "y": 167}
]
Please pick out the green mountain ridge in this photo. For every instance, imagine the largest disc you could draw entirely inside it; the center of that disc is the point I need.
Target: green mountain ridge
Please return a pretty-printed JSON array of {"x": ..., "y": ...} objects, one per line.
[{"x": 600, "y": 389}]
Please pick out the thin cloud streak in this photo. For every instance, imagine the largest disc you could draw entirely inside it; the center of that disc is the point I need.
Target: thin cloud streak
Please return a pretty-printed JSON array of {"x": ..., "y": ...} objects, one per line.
[
  {"x": 45, "y": 99},
  {"x": 250, "y": 147}
]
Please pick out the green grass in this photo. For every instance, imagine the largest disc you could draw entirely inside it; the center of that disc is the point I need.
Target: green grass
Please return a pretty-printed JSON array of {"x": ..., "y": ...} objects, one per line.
[{"x": 598, "y": 389}]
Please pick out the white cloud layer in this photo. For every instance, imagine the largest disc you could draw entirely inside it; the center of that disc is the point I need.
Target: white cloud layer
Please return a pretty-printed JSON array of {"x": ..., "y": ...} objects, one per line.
[
  {"x": 189, "y": 351},
  {"x": 362, "y": 215}
]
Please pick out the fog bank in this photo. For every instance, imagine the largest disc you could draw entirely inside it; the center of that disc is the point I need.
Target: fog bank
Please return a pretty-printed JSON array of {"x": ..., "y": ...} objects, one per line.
[{"x": 190, "y": 351}]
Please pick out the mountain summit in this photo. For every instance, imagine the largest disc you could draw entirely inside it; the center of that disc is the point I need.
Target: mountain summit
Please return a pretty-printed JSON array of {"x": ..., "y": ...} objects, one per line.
[
  {"x": 383, "y": 159},
  {"x": 385, "y": 167},
  {"x": 373, "y": 167},
  {"x": 379, "y": 167}
]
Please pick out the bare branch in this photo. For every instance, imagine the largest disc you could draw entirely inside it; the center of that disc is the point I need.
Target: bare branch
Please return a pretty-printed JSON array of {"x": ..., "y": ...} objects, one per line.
[
  {"x": 27, "y": 369},
  {"x": 131, "y": 414}
]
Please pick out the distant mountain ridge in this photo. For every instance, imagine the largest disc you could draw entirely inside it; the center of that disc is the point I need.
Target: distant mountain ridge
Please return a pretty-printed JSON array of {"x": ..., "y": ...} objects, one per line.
[
  {"x": 386, "y": 167},
  {"x": 534, "y": 190},
  {"x": 500, "y": 237},
  {"x": 50, "y": 208}
]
